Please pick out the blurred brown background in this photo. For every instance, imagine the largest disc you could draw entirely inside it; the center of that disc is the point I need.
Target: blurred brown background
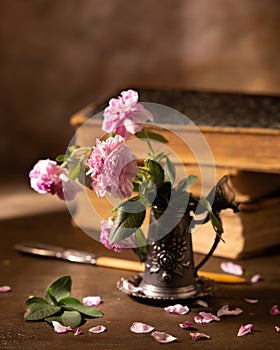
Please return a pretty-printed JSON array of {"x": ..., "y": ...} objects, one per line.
[{"x": 59, "y": 55}]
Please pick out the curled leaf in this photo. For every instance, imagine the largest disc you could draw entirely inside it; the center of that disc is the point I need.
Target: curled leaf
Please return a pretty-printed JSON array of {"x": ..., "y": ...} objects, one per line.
[
  {"x": 139, "y": 327},
  {"x": 163, "y": 337},
  {"x": 177, "y": 309},
  {"x": 243, "y": 330},
  {"x": 198, "y": 335},
  {"x": 98, "y": 329},
  {"x": 224, "y": 310},
  {"x": 59, "y": 328}
]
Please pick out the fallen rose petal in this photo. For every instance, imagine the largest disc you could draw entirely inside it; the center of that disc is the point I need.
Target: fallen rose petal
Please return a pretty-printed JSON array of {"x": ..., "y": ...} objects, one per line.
[
  {"x": 92, "y": 300},
  {"x": 130, "y": 287},
  {"x": 198, "y": 335},
  {"x": 177, "y": 309},
  {"x": 274, "y": 310},
  {"x": 59, "y": 328},
  {"x": 224, "y": 310},
  {"x": 277, "y": 329},
  {"x": 78, "y": 331},
  {"x": 243, "y": 330},
  {"x": 163, "y": 337},
  {"x": 255, "y": 278},
  {"x": 186, "y": 325},
  {"x": 98, "y": 329},
  {"x": 201, "y": 303},
  {"x": 207, "y": 317},
  {"x": 197, "y": 319},
  {"x": 230, "y": 267},
  {"x": 251, "y": 301},
  {"x": 139, "y": 327},
  {"x": 5, "y": 289}
]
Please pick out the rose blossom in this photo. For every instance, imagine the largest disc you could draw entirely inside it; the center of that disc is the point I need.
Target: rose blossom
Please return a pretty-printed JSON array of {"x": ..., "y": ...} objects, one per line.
[
  {"x": 125, "y": 115},
  {"x": 48, "y": 177},
  {"x": 117, "y": 247},
  {"x": 112, "y": 167}
]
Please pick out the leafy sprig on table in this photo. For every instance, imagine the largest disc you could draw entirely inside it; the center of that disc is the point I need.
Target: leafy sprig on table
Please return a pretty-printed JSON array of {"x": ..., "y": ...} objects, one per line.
[{"x": 59, "y": 306}]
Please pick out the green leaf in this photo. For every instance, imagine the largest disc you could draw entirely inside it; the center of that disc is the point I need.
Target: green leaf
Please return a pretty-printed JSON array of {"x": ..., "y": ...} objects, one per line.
[
  {"x": 39, "y": 311},
  {"x": 36, "y": 300},
  {"x": 85, "y": 310},
  {"x": 61, "y": 288},
  {"x": 185, "y": 184},
  {"x": 205, "y": 204},
  {"x": 147, "y": 192},
  {"x": 216, "y": 223},
  {"x": 180, "y": 199},
  {"x": 163, "y": 195},
  {"x": 141, "y": 243},
  {"x": 155, "y": 170},
  {"x": 74, "y": 169},
  {"x": 147, "y": 134},
  {"x": 50, "y": 298},
  {"x": 170, "y": 170},
  {"x": 62, "y": 158},
  {"x": 68, "y": 318},
  {"x": 129, "y": 217},
  {"x": 70, "y": 300}
]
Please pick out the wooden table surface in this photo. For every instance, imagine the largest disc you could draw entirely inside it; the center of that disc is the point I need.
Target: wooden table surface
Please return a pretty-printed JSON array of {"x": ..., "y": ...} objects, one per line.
[{"x": 29, "y": 275}]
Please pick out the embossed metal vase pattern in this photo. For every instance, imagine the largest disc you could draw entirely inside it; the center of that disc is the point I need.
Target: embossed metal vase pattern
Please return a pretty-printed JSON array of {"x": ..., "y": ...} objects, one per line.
[{"x": 169, "y": 271}]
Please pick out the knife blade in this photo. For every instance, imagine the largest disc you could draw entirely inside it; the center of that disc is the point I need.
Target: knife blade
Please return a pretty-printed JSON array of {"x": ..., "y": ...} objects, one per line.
[{"x": 72, "y": 255}]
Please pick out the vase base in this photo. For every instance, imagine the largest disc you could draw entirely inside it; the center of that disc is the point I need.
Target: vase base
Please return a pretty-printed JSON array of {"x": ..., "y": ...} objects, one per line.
[{"x": 135, "y": 287}]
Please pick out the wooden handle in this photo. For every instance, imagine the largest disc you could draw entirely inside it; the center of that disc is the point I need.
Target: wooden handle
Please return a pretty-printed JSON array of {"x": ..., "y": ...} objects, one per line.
[
  {"x": 120, "y": 264},
  {"x": 136, "y": 266}
]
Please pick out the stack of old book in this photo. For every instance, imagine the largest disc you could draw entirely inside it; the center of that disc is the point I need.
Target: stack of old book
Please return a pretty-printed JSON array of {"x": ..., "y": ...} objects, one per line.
[{"x": 242, "y": 133}]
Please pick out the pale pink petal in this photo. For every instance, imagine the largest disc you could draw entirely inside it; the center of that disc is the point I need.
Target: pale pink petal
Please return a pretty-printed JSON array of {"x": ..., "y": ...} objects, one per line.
[
  {"x": 177, "y": 309},
  {"x": 163, "y": 337},
  {"x": 198, "y": 335},
  {"x": 201, "y": 303},
  {"x": 277, "y": 329},
  {"x": 224, "y": 310},
  {"x": 5, "y": 289},
  {"x": 78, "y": 331},
  {"x": 59, "y": 328},
  {"x": 255, "y": 278},
  {"x": 230, "y": 267},
  {"x": 98, "y": 329},
  {"x": 130, "y": 287},
  {"x": 139, "y": 327},
  {"x": 251, "y": 301},
  {"x": 206, "y": 317},
  {"x": 92, "y": 300},
  {"x": 186, "y": 325},
  {"x": 197, "y": 319},
  {"x": 243, "y": 330},
  {"x": 274, "y": 310}
]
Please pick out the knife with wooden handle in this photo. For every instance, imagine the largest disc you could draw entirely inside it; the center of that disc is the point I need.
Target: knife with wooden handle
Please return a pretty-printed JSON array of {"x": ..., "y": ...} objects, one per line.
[{"x": 72, "y": 255}]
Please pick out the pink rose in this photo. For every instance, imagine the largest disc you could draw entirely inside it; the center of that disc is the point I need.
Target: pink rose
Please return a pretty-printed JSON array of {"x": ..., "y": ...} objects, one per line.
[
  {"x": 112, "y": 167},
  {"x": 124, "y": 115},
  {"x": 48, "y": 177},
  {"x": 118, "y": 247}
]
